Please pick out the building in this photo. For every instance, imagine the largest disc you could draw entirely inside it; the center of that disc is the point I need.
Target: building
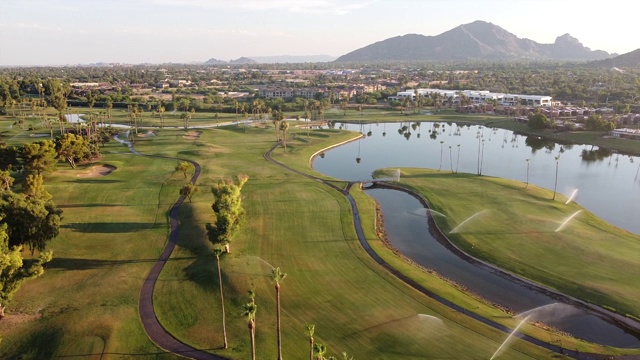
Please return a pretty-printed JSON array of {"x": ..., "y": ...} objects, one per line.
[
  {"x": 625, "y": 133},
  {"x": 477, "y": 97}
]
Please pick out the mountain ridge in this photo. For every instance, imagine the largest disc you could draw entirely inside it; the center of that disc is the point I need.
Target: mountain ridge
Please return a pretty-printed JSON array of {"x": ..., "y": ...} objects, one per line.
[{"x": 478, "y": 40}]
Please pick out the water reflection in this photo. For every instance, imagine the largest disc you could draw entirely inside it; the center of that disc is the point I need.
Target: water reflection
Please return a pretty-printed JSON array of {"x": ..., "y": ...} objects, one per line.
[{"x": 609, "y": 185}]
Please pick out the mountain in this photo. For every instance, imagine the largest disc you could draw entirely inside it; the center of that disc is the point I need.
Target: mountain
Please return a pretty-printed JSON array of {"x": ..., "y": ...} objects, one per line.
[
  {"x": 628, "y": 60},
  {"x": 243, "y": 60},
  {"x": 478, "y": 40},
  {"x": 294, "y": 59},
  {"x": 213, "y": 61}
]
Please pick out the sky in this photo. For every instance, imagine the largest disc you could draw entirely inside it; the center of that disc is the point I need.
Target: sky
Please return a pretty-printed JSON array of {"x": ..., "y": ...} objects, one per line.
[{"x": 69, "y": 32}]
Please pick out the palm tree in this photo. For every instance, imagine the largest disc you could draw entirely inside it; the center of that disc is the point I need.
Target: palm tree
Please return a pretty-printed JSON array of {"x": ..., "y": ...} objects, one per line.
[
  {"x": 161, "y": 111},
  {"x": 441, "y": 149},
  {"x": 310, "y": 329},
  {"x": 320, "y": 349},
  {"x": 482, "y": 157},
  {"x": 217, "y": 252},
  {"x": 277, "y": 276},
  {"x": 345, "y": 356},
  {"x": 450, "y": 159},
  {"x": 526, "y": 186},
  {"x": 458, "y": 160},
  {"x": 555, "y": 186},
  {"x": 250, "y": 315},
  {"x": 284, "y": 126},
  {"x": 186, "y": 117}
]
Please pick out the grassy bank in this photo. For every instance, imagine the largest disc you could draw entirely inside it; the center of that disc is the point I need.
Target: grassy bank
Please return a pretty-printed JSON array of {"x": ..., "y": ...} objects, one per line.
[{"x": 517, "y": 229}]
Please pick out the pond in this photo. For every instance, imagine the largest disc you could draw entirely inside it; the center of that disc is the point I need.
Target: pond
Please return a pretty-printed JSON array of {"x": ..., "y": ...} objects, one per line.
[
  {"x": 505, "y": 154},
  {"x": 605, "y": 183}
]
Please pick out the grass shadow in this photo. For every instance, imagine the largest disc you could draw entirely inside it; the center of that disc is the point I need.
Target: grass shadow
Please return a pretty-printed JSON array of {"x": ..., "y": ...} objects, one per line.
[
  {"x": 70, "y": 206},
  {"x": 94, "y": 181},
  {"x": 89, "y": 264},
  {"x": 115, "y": 227}
]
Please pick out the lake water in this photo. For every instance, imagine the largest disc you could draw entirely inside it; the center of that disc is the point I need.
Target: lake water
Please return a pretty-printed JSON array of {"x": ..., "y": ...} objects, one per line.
[{"x": 607, "y": 184}]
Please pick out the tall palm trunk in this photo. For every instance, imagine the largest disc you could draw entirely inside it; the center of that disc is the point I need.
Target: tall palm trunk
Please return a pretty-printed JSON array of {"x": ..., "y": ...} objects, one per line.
[
  {"x": 311, "y": 348},
  {"x": 224, "y": 324},
  {"x": 252, "y": 329},
  {"x": 278, "y": 320}
]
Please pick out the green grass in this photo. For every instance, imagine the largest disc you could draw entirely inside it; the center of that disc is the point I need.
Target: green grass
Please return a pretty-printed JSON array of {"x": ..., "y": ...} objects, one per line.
[
  {"x": 589, "y": 259},
  {"x": 115, "y": 226},
  {"x": 306, "y": 229}
]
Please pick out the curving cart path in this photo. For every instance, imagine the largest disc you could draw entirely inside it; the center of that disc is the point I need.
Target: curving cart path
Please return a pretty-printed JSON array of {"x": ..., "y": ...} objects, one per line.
[
  {"x": 156, "y": 332},
  {"x": 363, "y": 242}
]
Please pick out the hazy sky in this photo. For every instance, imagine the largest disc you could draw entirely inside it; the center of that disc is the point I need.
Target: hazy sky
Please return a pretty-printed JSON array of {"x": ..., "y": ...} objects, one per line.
[{"x": 56, "y": 32}]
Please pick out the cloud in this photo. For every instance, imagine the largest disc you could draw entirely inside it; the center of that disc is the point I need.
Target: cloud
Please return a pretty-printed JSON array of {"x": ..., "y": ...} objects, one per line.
[{"x": 335, "y": 7}]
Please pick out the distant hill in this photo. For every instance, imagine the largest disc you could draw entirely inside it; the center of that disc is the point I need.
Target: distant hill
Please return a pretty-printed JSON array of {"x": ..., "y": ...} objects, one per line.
[
  {"x": 213, "y": 61},
  {"x": 242, "y": 60},
  {"x": 294, "y": 59},
  {"x": 628, "y": 60},
  {"x": 278, "y": 59},
  {"x": 478, "y": 40}
]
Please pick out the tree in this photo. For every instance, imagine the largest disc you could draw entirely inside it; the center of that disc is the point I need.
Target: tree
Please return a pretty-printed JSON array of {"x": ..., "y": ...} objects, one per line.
[
  {"x": 284, "y": 126},
  {"x": 72, "y": 148},
  {"x": 184, "y": 167},
  {"x": 217, "y": 252},
  {"x": 39, "y": 157},
  {"x": 319, "y": 349},
  {"x": 228, "y": 211},
  {"x": 34, "y": 187},
  {"x": 6, "y": 181},
  {"x": 555, "y": 185},
  {"x": 441, "y": 149},
  {"x": 539, "y": 121},
  {"x": 310, "y": 329},
  {"x": 161, "y": 111},
  {"x": 249, "y": 313},
  {"x": 9, "y": 157},
  {"x": 13, "y": 270},
  {"x": 30, "y": 221},
  {"x": 526, "y": 186},
  {"x": 189, "y": 190},
  {"x": 277, "y": 277},
  {"x": 346, "y": 356},
  {"x": 186, "y": 118},
  {"x": 277, "y": 119},
  {"x": 58, "y": 96}
]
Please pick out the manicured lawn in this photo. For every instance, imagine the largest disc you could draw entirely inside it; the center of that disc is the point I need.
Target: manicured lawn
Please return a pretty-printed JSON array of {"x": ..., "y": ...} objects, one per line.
[
  {"x": 113, "y": 229},
  {"x": 588, "y": 259}
]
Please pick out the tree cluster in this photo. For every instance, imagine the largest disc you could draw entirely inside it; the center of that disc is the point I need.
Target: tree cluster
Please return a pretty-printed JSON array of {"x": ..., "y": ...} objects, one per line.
[
  {"x": 27, "y": 219},
  {"x": 228, "y": 211},
  {"x": 597, "y": 123}
]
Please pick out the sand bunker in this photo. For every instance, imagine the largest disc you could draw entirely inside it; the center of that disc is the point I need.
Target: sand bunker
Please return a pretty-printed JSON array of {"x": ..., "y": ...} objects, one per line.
[
  {"x": 147, "y": 134},
  {"x": 192, "y": 135},
  {"x": 98, "y": 170}
]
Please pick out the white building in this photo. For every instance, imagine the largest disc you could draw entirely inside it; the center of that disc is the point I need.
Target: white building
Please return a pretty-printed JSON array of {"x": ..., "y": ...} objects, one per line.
[{"x": 478, "y": 96}]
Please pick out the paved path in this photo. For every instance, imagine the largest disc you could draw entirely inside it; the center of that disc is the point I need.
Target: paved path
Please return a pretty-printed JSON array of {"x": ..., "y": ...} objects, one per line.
[{"x": 158, "y": 334}]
